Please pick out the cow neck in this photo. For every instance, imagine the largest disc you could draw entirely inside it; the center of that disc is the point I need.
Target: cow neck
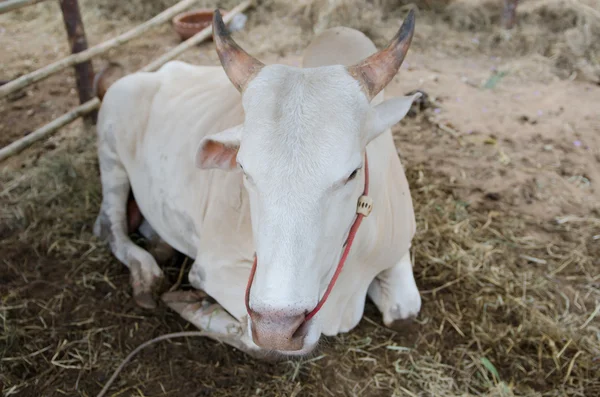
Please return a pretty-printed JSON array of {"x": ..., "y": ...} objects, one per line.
[{"x": 364, "y": 207}]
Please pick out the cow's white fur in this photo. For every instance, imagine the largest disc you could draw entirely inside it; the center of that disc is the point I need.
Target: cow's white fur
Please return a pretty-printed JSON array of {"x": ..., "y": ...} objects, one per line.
[{"x": 301, "y": 132}]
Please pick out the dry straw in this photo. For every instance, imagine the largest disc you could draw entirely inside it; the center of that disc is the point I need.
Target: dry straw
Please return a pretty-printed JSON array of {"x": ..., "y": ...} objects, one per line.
[{"x": 510, "y": 305}]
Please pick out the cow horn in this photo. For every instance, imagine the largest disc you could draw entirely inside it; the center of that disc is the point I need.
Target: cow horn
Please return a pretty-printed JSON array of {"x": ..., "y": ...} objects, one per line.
[
  {"x": 239, "y": 66},
  {"x": 376, "y": 71}
]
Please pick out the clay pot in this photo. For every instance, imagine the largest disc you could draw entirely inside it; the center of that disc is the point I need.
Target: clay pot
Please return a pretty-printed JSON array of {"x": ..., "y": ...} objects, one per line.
[{"x": 191, "y": 22}]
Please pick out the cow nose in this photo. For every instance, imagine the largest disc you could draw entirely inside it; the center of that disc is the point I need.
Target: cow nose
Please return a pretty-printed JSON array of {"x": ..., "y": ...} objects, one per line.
[{"x": 275, "y": 330}]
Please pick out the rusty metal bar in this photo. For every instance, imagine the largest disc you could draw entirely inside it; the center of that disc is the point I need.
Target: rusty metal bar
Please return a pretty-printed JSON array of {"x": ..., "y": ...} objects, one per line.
[
  {"x": 84, "y": 72},
  {"x": 10, "y": 5}
]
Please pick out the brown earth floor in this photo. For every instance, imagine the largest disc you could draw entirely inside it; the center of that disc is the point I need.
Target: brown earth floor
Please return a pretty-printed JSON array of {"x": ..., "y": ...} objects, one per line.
[{"x": 506, "y": 254}]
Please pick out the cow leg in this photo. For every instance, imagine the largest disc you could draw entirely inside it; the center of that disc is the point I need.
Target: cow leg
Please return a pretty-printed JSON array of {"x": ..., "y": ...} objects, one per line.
[
  {"x": 111, "y": 226},
  {"x": 197, "y": 308},
  {"x": 160, "y": 250},
  {"x": 395, "y": 293}
]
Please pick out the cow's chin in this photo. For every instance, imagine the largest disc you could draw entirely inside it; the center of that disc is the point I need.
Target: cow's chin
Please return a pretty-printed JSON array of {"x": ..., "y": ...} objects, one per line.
[{"x": 310, "y": 343}]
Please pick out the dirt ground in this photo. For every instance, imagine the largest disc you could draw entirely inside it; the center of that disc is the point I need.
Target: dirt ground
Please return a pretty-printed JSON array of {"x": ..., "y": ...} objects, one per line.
[{"x": 503, "y": 160}]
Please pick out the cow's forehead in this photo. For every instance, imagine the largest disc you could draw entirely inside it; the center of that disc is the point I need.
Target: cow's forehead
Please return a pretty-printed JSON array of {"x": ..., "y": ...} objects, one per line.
[
  {"x": 284, "y": 91},
  {"x": 307, "y": 118}
]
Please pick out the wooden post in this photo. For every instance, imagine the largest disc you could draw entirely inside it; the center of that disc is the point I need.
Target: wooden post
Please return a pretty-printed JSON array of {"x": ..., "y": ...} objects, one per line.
[
  {"x": 84, "y": 72},
  {"x": 509, "y": 15}
]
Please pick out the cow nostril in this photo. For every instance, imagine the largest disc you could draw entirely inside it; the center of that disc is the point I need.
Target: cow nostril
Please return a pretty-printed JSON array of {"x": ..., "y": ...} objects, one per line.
[
  {"x": 301, "y": 331},
  {"x": 296, "y": 326},
  {"x": 279, "y": 332}
]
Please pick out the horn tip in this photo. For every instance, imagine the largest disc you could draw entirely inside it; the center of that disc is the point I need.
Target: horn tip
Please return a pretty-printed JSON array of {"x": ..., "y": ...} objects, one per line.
[
  {"x": 408, "y": 26},
  {"x": 218, "y": 24}
]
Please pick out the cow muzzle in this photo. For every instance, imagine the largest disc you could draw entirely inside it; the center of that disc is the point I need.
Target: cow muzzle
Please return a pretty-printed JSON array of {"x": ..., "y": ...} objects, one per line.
[{"x": 274, "y": 330}]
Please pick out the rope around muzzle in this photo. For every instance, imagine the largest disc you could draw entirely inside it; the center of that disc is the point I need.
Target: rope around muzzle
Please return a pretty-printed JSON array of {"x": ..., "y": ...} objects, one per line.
[{"x": 363, "y": 209}]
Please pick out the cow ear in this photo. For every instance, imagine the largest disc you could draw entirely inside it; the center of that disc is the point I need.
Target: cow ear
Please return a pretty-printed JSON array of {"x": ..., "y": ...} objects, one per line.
[
  {"x": 388, "y": 113},
  {"x": 219, "y": 150}
]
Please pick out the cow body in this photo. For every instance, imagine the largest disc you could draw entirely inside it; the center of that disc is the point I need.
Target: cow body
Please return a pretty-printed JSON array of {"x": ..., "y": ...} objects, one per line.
[{"x": 149, "y": 128}]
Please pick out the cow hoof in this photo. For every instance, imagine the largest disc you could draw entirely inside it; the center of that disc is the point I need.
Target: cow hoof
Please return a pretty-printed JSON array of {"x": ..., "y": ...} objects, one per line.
[
  {"x": 145, "y": 300},
  {"x": 180, "y": 300},
  {"x": 146, "y": 286},
  {"x": 187, "y": 303}
]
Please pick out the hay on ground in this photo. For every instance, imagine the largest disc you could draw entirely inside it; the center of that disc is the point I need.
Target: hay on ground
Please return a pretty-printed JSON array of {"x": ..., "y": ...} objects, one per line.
[{"x": 510, "y": 305}]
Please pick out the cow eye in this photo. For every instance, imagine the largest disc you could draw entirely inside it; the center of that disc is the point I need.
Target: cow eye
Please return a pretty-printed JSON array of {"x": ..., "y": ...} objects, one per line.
[
  {"x": 246, "y": 176},
  {"x": 353, "y": 175}
]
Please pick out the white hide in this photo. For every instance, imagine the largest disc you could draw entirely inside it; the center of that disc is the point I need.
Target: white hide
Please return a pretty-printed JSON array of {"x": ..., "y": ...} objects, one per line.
[{"x": 301, "y": 133}]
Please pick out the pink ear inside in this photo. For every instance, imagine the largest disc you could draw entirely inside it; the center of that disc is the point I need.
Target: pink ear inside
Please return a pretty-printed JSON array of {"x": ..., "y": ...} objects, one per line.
[{"x": 215, "y": 154}]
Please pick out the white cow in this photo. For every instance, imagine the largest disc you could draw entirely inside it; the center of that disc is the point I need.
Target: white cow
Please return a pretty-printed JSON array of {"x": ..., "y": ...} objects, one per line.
[{"x": 275, "y": 172}]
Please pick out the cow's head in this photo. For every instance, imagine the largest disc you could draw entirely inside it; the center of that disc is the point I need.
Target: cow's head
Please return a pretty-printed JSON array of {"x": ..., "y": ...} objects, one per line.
[{"x": 301, "y": 150}]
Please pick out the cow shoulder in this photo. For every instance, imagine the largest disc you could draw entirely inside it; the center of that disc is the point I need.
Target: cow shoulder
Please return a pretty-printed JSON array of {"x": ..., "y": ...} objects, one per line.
[{"x": 125, "y": 111}]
